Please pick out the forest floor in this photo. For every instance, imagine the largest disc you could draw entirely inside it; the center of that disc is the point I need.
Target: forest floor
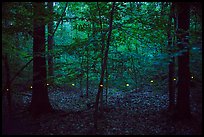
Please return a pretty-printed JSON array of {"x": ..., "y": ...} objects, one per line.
[{"x": 128, "y": 113}]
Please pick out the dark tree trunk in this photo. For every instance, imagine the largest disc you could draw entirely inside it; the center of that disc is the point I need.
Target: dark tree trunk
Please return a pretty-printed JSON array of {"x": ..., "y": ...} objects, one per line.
[
  {"x": 106, "y": 85},
  {"x": 100, "y": 87},
  {"x": 8, "y": 86},
  {"x": 81, "y": 77},
  {"x": 102, "y": 53},
  {"x": 87, "y": 76},
  {"x": 40, "y": 101},
  {"x": 183, "y": 104},
  {"x": 171, "y": 64},
  {"x": 171, "y": 85},
  {"x": 134, "y": 70},
  {"x": 50, "y": 42},
  {"x": 87, "y": 72}
]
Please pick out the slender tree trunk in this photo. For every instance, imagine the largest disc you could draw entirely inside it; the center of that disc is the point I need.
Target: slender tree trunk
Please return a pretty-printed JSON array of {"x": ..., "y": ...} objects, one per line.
[
  {"x": 50, "y": 42},
  {"x": 81, "y": 77},
  {"x": 100, "y": 87},
  {"x": 106, "y": 85},
  {"x": 171, "y": 64},
  {"x": 137, "y": 71},
  {"x": 183, "y": 104},
  {"x": 102, "y": 54},
  {"x": 171, "y": 85},
  {"x": 8, "y": 86},
  {"x": 40, "y": 101},
  {"x": 134, "y": 70},
  {"x": 87, "y": 73}
]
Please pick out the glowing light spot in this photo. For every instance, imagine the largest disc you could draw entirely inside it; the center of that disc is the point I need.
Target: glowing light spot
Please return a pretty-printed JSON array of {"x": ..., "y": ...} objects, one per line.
[
  {"x": 31, "y": 87},
  {"x": 101, "y": 85},
  {"x": 73, "y": 84},
  {"x": 174, "y": 79},
  {"x": 151, "y": 81},
  {"x": 48, "y": 84},
  {"x": 192, "y": 77},
  {"x": 127, "y": 85},
  {"x": 7, "y": 89}
]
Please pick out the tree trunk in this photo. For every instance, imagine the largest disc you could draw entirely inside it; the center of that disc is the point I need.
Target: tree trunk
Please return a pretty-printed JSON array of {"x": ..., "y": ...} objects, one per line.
[
  {"x": 87, "y": 73},
  {"x": 100, "y": 87},
  {"x": 102, "y": 54},
  {"x": 183, "y": 104},
  {"x": 50, "y": 42},
  {"x": 134, "y": 70},
  {"x": 171, "y": 64},
  {"x": 8, "y": 86},
  {"x": 40, "y": 101},
  {"x": 81, "y": 77},
  {"x": 106, "y": 85}
]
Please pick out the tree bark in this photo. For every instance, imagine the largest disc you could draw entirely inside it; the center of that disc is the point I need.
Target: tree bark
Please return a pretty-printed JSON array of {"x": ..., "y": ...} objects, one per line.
[
  {"x": 183, "y": 104},
  {"x": 40, "y": 100},
  {"x": 50, "y": 42},
  {"x": 171, "y": 63},
  {"x": 8, "y": 86},
  {"x": 87, "y": 73},
  {"x": 81, "y": 77},
  {"x": 106, "y": 86}
]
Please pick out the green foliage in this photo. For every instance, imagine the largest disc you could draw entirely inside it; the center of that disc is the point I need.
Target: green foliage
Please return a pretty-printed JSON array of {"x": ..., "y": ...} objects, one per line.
[{"x": 138, "y": 48}]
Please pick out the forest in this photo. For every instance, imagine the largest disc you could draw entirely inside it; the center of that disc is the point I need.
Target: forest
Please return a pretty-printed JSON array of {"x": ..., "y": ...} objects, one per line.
[{"x": 101, "y": 68}]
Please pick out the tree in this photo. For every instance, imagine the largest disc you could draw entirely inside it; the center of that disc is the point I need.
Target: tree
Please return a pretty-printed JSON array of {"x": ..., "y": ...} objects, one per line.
[
  {"x": 100, "y": 87},
  {"x": 50, "y": 42},
  {"x": 87, "y": 72},
  {"x": 81, "y": 76},
  {"x": 183, "y": 103},
  {"x": 102, "y": 55},
  {"x": 171, "y": 82},
  {"x": 40, "y": 101},
  {"x": 8, "y": 83}
]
